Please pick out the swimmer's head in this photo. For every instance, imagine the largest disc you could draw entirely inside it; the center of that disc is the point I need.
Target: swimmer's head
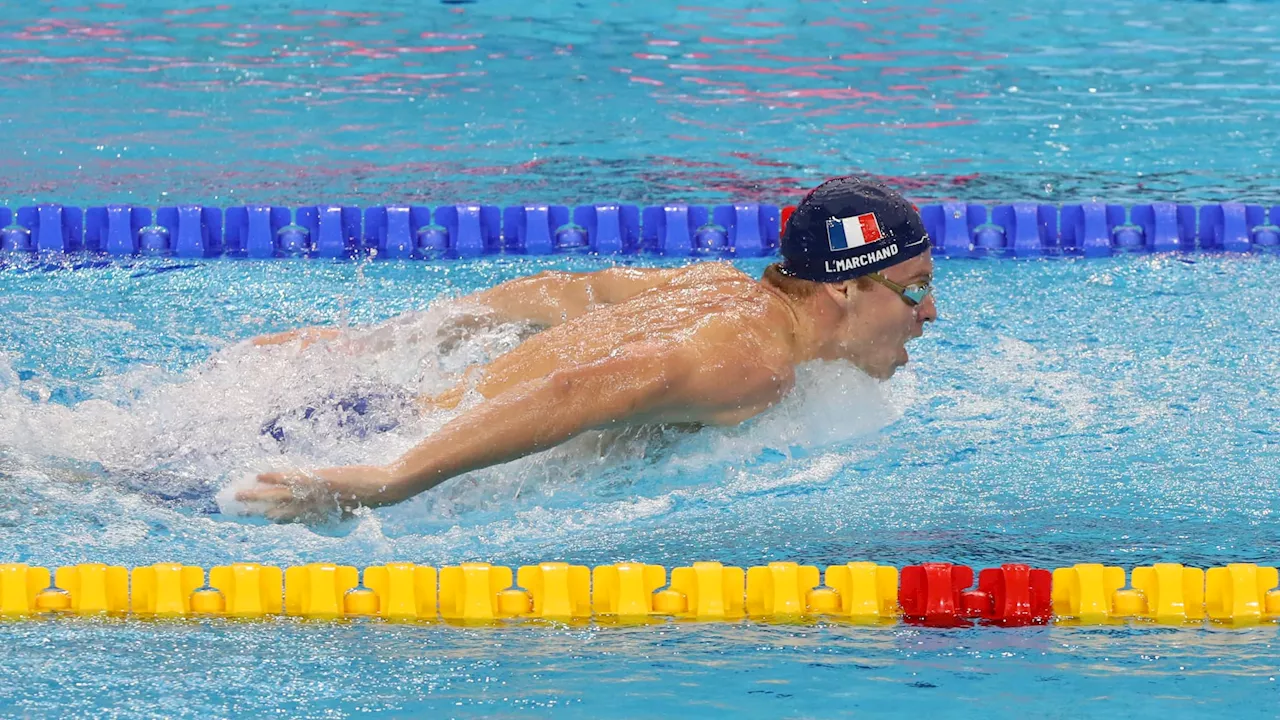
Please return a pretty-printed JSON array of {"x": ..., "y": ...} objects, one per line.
[{"x": 859, "y": 254}]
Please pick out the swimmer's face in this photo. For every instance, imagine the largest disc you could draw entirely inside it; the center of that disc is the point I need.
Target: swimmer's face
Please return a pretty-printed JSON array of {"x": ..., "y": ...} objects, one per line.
[{"x": 879, "y": 323}]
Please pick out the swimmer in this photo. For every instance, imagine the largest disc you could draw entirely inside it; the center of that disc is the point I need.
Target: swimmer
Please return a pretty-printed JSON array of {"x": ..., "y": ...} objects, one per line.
[{"x": 704, "y": 344}]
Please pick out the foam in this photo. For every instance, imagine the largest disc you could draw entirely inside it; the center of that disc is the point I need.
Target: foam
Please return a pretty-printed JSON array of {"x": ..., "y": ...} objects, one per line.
[{"x": 205, "y": 423}]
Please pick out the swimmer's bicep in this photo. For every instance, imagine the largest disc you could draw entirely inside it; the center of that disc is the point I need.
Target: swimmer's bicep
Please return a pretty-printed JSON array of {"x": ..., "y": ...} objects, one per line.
[
  {"x": 636, "y": 381},
  {"x": 733, "y": 375},
  {"x": 740, "y": 392},
  {"x": 680, "y": 383}
]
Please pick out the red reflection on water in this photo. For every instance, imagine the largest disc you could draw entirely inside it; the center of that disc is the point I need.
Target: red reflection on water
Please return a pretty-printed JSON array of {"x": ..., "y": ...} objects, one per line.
[
  {"x": 338, "y": 13},
  {"x": 757, "y": 160},
  {"x": 196, "y": 10},
  {"x": 750, "y": 69},
  {"x": 708, "y": 40},
  {"x": 39, "y": 60},
  {"x": 744, "y": 58},
  {"x": 902, "y": 126},
  {"x": 435, "y": 48}
]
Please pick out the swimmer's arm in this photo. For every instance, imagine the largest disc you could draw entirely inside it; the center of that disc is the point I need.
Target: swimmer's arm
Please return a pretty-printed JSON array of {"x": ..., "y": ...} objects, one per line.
[
  {"x": 552, "y": 297},
  {"x": 548, "y": 298},
  {"x": 638, "y": 382},
  {"x": 307, "y": 335}
]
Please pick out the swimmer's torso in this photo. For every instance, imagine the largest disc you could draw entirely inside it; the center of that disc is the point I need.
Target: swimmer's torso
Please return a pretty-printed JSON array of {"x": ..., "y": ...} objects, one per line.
[{"x": 713, "y": 309}]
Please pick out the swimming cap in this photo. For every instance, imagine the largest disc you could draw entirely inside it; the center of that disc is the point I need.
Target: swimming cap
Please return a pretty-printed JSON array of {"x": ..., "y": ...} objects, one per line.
[{"x": 848, "y": 227}]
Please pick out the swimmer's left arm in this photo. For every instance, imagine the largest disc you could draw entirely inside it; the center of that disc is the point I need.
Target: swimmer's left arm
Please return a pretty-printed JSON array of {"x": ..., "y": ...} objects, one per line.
[
  {"x": 307, "y": 335},
  {"x": 634, "y": 382},
  {"x": 637, "y": 383},
  {"x": 553, "y": 297}
]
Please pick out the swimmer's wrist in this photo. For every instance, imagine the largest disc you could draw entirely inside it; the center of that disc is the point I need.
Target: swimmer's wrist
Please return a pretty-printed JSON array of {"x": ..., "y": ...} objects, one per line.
[{"x": 402, "y": 482}]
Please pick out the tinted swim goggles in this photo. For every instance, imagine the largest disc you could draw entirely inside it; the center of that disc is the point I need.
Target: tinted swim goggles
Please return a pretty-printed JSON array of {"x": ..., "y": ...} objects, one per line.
[{"x": 912, "y": 295}]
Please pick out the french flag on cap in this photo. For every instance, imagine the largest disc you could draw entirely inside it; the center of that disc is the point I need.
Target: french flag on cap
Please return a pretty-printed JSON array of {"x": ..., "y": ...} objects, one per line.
[{"x": 852, "y": 232}]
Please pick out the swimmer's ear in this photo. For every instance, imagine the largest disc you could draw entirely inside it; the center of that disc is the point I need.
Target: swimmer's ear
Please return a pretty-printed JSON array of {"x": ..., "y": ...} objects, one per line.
[{"x": 841, "y": 292}]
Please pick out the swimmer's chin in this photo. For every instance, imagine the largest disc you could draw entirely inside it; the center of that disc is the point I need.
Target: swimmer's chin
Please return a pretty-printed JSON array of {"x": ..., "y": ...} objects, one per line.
[
  {"x": 901, "y": 361},
  {"x": 881, "y": 373}
]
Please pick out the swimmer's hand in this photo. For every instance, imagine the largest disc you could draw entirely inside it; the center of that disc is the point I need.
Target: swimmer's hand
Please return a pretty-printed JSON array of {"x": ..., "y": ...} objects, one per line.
[{"x": 315, "y": 495}]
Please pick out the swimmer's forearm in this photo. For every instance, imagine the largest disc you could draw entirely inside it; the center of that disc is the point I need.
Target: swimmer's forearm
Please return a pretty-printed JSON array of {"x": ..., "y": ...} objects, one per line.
[
  {"x": 308, "y": 335},
  {"x": 544, "y": 413}
]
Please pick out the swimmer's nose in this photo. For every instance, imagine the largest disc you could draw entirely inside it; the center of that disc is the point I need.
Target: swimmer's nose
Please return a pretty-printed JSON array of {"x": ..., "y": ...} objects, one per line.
[{"x": 927, "y": 311}]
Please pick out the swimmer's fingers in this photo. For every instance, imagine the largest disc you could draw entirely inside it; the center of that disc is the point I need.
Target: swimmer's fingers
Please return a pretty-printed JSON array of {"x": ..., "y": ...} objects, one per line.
[
  {"x": 276, "y": 478},
  {"x": 303, "y": 496},
  {"x": 284, "y": 513},
  {"x": 273, "y": 493},
  {"x": 302, "y": 510},
  {"x": 273, "y": 487}
]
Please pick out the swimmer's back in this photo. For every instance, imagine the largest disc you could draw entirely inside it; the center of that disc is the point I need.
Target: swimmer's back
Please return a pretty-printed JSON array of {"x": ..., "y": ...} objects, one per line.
[{"x": 711, "y": 308}]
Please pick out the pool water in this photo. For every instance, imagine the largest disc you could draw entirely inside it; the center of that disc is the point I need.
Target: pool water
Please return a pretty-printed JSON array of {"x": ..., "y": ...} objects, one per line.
[
  {"x": 155, "y": 101},
  {"x": 1122, "y": 410},
  {"x": 1119, "y": 410}
]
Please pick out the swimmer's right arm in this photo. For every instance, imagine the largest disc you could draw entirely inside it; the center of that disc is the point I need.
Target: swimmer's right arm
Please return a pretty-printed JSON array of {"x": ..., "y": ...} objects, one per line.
[
  {"x": 553, "y": 297},
  {"x": 548, "y": 298}
]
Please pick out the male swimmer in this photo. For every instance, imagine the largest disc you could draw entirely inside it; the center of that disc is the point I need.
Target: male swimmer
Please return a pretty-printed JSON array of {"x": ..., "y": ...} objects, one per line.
[{"x": 703, "y": 344}]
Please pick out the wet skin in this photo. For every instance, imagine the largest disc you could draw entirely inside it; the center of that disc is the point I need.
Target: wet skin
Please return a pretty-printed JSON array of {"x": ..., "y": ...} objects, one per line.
[{"x": 704, "y": 344}]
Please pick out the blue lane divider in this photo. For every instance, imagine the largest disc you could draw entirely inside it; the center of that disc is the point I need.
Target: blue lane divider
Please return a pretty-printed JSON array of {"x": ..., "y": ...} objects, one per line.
[
  {"x": 470, "y": 230},
  {"x": 13, "y": 238},
  {"x": 194, "y": 231},
  {"x": 253, "y": 230},
  {"x": 116, "y": 229},
  {"x": 400, "y": 232},
  {"x": 610, "y": 229},
  {"x": 1236, "y": 228},
  {"x": 674, "y": 229},
  {"x": 540, "y": 230},
  {"x": 334, "y": 231},
  {"x": 1089, "y": 228},
  {"x": 750, "y": 230},
  {"x": 51, "y": 227},
  {"x": 1026, "y": 230},
  {"x": 1166, "y": 227},
  {"x": 953, "y": 226}
]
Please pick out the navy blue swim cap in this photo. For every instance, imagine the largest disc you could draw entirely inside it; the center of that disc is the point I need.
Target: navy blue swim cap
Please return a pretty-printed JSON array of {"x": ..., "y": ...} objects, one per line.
[{"x": 848, "y": 227}]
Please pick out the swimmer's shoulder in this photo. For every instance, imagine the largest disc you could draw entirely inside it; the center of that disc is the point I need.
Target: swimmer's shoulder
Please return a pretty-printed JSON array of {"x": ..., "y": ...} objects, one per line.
[
  {"x": 749, "y": 330},
  {"x": 704, "y": 272},
  {"x": 743, "y": 366}
]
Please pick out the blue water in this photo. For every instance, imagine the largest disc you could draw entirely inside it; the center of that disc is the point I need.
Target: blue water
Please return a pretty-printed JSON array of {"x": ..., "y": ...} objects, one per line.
[
  {"x": 1120, "y": 410},
  {"x": 159, "y": 102},
  {"x": 1117, "y": 410}
]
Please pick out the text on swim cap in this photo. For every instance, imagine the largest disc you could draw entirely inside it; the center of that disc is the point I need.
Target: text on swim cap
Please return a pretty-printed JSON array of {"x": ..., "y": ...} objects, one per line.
[{"x": 845, "y": 264}]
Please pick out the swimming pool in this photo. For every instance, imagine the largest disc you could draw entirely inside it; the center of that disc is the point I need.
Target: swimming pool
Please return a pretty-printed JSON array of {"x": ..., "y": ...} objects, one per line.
[{"x": 1120, "y": 410}]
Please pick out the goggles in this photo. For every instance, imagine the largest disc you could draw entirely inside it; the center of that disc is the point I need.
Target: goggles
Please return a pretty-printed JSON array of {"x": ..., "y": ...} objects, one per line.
[{"x": 912, "y": 295}]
